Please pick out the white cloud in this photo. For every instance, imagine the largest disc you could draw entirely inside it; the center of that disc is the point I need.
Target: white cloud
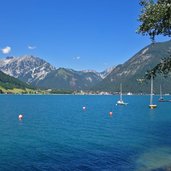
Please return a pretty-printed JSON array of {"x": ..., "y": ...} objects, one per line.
[
  {"x": 76, "y": 58},
  {"x": 31, "y": 47},
  {"x": 6, "y": 50}
]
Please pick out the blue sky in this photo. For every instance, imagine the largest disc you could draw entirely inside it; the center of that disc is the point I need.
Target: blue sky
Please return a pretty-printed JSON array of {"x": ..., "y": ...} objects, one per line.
[{"x": 77, "y": 34}]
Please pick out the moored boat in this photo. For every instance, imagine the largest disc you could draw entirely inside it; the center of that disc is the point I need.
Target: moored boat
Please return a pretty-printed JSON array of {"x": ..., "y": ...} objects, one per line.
[
  {"x": 151, "y": 105},
  {"x": 120, "y": 101}
]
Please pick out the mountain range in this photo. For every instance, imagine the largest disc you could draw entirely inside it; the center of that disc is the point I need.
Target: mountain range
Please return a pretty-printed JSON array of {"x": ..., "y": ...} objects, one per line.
[{"x": 40, "y": 73}]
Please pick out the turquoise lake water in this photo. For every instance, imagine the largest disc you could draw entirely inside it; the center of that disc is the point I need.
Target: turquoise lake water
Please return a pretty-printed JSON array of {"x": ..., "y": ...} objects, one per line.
[{"x": 57, "y": 134}]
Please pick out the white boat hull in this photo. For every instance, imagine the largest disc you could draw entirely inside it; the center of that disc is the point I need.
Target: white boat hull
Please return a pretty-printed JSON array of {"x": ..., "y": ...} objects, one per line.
[
  {"x": 119, "y": 102},
  {"x": 153, "y": 106}
]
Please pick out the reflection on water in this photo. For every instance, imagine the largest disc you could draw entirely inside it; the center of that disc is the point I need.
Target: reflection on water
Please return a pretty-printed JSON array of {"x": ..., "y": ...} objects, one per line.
[
  {"x": 152, "y": 114},
  {"x": 155, "y": 159}
]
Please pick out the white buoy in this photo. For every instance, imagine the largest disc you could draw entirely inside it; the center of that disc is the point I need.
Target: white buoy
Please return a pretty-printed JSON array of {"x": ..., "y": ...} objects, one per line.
[
  {"x": 84, "y": 108},
  {"x": 20, "y": 117}
]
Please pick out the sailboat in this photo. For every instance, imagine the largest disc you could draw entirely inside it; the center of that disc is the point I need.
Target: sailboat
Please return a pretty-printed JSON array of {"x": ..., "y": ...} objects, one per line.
[
  {"x": 161, "y": 99},
  {"x": 120, "y": 101},
  {"x": 152, "y": 106}
]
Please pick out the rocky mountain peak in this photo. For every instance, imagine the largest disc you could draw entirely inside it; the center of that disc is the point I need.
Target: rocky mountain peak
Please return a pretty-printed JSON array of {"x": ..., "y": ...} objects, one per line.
[{"x": 27, "y": 68}]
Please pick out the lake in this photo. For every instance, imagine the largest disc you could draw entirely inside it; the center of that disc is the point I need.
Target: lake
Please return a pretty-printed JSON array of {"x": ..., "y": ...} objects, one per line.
[{"x": 57, "y": 134}]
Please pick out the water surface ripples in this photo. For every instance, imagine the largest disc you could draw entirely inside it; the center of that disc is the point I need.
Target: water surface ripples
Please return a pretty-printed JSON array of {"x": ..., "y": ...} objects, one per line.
[{"x": 56, "y": 134}]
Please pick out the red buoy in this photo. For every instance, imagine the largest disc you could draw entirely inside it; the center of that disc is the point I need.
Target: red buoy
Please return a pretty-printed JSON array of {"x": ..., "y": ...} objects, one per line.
[
  {"x": 20, "y": 117},
  {"x": 110, "y": 113}
]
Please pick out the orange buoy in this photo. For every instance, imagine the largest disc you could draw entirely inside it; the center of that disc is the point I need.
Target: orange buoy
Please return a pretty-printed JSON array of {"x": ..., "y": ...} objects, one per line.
[{"x": 20, "y": 117}]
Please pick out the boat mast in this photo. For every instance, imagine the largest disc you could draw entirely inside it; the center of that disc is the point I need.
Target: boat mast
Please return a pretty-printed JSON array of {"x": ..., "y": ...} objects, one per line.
[
  {"x": 151, "y": 94},
  {"x": 160, "y": 92},
  {"x": 120, "y": 91}
]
